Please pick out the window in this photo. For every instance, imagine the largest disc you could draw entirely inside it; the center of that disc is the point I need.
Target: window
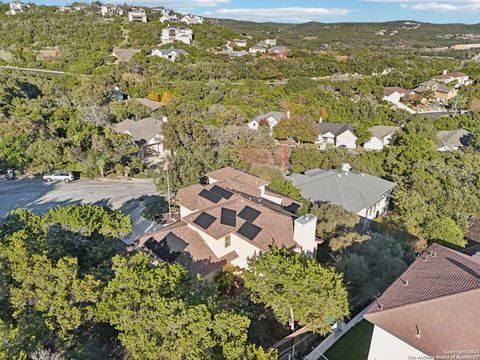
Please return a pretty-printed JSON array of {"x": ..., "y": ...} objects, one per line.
[{"x": 228, "y": 241}]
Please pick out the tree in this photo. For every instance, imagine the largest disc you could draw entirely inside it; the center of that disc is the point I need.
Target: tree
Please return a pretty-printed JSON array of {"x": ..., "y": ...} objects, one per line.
[
  {"x": 299, "y": 129},
  {"x": 101, "y": 163},
  {"x": 445, "y": 230},
  {"x": 287, "y": 281},
  {"x": 333, "y": 220}
]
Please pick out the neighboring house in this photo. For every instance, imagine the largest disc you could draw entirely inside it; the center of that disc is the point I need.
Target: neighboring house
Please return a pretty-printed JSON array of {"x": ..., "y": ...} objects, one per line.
[
  {"x": 238, "y": 42},
  {"x": 268, "y": 42},
  {"x": 257, "y": 49},
  {"x": 147, "y": 132},
  {"x": 453, "y": 140},
  {"x": 393, "y": 94},
  {"x": 172, "y": 34},
  {"x": 458, "y": 78},
  {"x": 440, "y": 92},
  {"x": 429, "y": 311},
  {"x": 169, "y": 54},
  {"x": 47, "y": 54},
  {"x": 153, "y": 105},
  {"x": 233, "y": 54},
  {"x": 381, "y": 136},
  {"x": 124, "y": 55},
  {"x": 110, "y": 10},
  {"x": 192, "y": 20},
  {"x": 137, "y": 15},
  {"x": 278, "y": 51},
  {"x": 336, "y": 134},
  {"x": 16, "y": 7},
  {"x": 222, "y": 224},
  {"x": 270, "y": 119},
  {"x": 169, "y": 18},
  {"x": 365, "y": 195}
]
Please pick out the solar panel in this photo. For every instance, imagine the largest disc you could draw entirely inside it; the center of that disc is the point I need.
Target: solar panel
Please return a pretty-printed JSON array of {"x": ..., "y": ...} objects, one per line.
[
  {"x": 249, "y": 214},
  {"x": 221, "y": 192},
  {"x": 204, "y": 220},
  {"x": 210, "y": 196},
  {"x": 228, "y": 217},
  {"x": 248, "y": 230}
]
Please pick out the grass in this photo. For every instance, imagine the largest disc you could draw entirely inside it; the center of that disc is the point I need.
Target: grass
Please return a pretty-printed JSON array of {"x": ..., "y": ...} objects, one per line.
[{"x": 354, "y": 344}]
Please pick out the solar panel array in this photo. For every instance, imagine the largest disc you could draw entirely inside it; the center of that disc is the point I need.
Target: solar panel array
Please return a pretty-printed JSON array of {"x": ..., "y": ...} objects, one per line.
[
  {"x": 249, "y": 230},
  {"x": 249, "y": 214},
  {"x": 204, "y": 220},
  {"x": 221, "y": 192},
  {"x": 228, "y": 217},
  {"x": 210, "y": 196}
]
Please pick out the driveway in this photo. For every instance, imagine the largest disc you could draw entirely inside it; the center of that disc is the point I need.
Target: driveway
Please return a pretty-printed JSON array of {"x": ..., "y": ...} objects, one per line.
[{"x": 38, "y": 196}]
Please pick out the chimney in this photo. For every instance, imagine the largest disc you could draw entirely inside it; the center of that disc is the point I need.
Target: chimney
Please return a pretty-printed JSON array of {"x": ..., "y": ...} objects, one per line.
[{"x": 304, "y": 230}]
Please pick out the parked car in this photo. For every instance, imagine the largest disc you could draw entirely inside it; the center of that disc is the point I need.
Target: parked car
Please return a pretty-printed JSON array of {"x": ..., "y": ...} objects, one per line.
[{"x": 66, "y": 176}]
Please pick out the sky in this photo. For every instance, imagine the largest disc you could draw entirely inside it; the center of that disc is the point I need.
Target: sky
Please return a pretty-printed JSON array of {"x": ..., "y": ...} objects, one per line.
[{"x": 291, "y": 11}]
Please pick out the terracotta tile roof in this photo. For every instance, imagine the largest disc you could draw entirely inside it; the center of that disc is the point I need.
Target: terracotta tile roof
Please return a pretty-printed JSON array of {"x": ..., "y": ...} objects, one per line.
[
  {"x": 228, "y": 173},
  {"x": 474, "y": 230},
  {"x": 433, "y": 305},
  {"x": 387, "y": 91}
]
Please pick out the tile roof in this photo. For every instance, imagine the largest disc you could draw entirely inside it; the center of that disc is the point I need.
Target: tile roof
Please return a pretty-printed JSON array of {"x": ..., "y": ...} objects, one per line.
[
  {"x": 351, "y": 190},
  {"x": 144, "y": 129},
  {"x": 387, "y": 91},
  {"x": 433, "y": 305},
  {"x": 474, "y": 230},
  {"x": 334, "y": 128}
]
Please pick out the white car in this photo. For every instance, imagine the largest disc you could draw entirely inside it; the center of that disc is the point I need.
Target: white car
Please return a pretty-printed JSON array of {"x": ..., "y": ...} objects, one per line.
[{"x": 66, "y": 176}]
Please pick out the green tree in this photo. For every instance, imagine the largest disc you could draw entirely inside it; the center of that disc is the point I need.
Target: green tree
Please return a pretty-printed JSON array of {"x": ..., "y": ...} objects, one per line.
[
  {"x": 445, "y": 230},
  {"x": 333, "y": 220}
]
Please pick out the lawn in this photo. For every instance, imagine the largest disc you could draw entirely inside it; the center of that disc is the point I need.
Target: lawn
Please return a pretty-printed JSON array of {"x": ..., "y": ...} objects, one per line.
[{"x": 354, "y": 344}]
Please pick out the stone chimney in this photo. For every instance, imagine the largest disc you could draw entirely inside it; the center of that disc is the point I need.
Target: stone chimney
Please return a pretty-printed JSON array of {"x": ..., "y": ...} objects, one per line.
[{"x": 304, "y": 230}]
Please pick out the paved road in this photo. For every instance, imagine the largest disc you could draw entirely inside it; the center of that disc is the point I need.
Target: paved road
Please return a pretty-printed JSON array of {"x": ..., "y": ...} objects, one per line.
[{"x": 39, "y": 196}]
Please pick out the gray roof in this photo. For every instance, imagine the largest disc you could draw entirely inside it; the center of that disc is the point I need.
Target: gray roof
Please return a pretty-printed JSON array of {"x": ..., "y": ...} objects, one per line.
[
  {"x": 153, "y": 105},
  {"x": 455, "y": 138},
  {"x": 351, "y": 190},
  {"x": 277, "y": 115},
  {"x": 144, "y": 129},
  {"x": 171, "y": 50},
  {"x": 278, "y": 48},
  {"x": 439, "y": 87},
  {"x": 335, "y": 128},
  {"x": 381, "y": 131}
]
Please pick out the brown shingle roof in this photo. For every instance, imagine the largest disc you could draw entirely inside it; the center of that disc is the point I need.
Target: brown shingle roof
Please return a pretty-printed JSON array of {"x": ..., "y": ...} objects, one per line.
[
  {"x": 438, "y": 298},
  {"x": 228, "y": 173},
  {"x": 387, "y": 91}
]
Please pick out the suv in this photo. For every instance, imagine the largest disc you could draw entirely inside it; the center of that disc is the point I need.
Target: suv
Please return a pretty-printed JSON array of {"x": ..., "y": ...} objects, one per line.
[{"x": 66, "y": 176}]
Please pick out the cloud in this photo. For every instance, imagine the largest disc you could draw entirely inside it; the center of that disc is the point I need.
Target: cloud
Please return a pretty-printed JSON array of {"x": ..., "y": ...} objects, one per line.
[
  {"x": 466, "y": 6},
  {"x": 285, "y": 14}
]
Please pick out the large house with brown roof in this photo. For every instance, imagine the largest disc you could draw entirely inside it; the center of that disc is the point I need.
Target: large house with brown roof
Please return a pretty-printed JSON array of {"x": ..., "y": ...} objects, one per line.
[
  {"x": 228, "y": 221},
  {"x": 457, "y": 78},
  {"x": 432, "y": 310}
]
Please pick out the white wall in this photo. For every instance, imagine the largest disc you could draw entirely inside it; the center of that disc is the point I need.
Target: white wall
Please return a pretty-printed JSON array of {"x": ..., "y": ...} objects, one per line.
[
  {"x": 374, "y": 144},
  {"x": 304, "y": 229},
  {"x": 385, "y": 346},
  {"x": 184, "y": 211},
  {"x": 347, "y": 139}
]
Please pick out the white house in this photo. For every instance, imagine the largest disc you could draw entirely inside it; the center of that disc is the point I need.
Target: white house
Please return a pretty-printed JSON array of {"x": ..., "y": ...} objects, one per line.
[
  {"x": 429, "y": 311},
  {"x": 453, "y": 140},
  {"x": 109, "y": 10},
  {"x": 223, "y": 223},
  {"x": 169, "y": 54},
  {"x": 381, "y": 136},
  {"x": 169, "y": 18},
  {"x": 270, "y": 119},
  {"x": 192, "y": 20},
  {"x": 257, "y": 49},
  {"x": 137, "y": 15},
  {"x": 238, "y": 42},
  {"x": 172, "y": 34},
  {"x": 458, "y": 78},
  {"x": 16, "y": 7},
  {"x": 336, "y": 134},
  {"x": 393, "y": 94},
  {"x": 147, "y": 132}
]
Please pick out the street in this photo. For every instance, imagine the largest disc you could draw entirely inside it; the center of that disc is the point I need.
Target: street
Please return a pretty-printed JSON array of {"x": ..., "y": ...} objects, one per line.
[{"x": 38, "y": 196}]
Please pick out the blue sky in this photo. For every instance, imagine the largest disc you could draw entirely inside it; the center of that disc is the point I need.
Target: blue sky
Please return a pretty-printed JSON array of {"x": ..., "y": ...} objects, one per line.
[{"x": 436, "y": 11}]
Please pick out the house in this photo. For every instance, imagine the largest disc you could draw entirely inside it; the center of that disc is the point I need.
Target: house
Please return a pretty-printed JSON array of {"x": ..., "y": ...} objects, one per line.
[
  {"x": 169, "y": 54},
  {"x": 453, "y": 140},
  {"x": 458, "y": 78},
  {"x": 257, "y": 49},
  {"x": 473, "y": 233},
  {"x": 278, "y": 51},
  {"x": 268, "y": 42},
  {"x": 270, "y": 119},
  {"x": 147, "y": 132},
  {"x": 172, "y": 34},
  {"x": 110, "y": 10},
  {"x": 153, "y": 105},
  {"x": 393, "y": 94},
  {"x": 440, "y": 92},
  {"x": 47, "y": 54},
  {"x": 138, "y": 15},
  {"x": 172, "y": 18},
  {"x": 429, "y": 311},
  {"x": 381, "y": 136},
  {"x": 234, "y": 54},
  {"x": 16, "y": 7},
  {"x": 363, "y": 194},
  {"x": 124, "y": 55},
  {"x": 222, "y": 223},
  {"x": 238, "y": 42},
  {"x": 336, "y": 134},
  {"x": 192, "y": 20}
]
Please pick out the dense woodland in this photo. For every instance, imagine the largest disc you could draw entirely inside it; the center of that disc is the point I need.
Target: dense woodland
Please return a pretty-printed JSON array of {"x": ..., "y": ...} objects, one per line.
[{"x": 68, "y": 290}]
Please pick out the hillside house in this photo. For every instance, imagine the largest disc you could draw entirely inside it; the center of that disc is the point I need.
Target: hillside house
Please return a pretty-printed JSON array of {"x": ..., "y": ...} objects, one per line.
[
  {"x": 173, "y": 34},
  {"x": 270, "y": 119},
  {"x": 440, "y": 92},
  {"x": 168, "y": 54},
  {"x": 278, "y": 51},
  {"x": 336, "y": 134},
  {"x": 394, "y": 94},
  {"x": 365, "y": 195},
  {"x": 238, "y": 42},
  {"x": 455, "y": 78},
  {"x": 137, "y": 15},
  {"x": 170, "y": 18},
  {"x": 225, "y": 222},
  {"x": 110, "y": 10},
  {"x": 381, "y": 136},
  {"x": 192, "y": 20},
  {"x": 453, "y": 140},
  {"x": 430, "y": 310},
  {"x": 16, "y": 7},
  {"x": 146, "y": 133},
  {"x": 257, "y": 49}
]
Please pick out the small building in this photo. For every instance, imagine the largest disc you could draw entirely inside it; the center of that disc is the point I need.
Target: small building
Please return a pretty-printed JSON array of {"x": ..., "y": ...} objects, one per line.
[
  {"x": 124, "y": 55},
  {"x": 152, "y": 105},
  {"x": 238, "y": 42},
  {"x": 145, "y": 132},
  {"x": 440, "y": 92},
  {"x": 257, "y": 49},
  {"x": 457, "y": 78},
  {"x": 336, "y": 134},
  {"x": 381, "y": 136},
  {"x": 173, "y": 34},
  {"x": 192, "y": 20},
  {"x": 137, "y": 15},
  {"x": 429, "y": 310},
  {"x": 170, "y": 18},
  {"x": 270, "y": 119},
  {"x": 363, "y": 194},
  {"x": 16, "y": 7},
  {"x": 168, "y": 54},
  {"x": 278, "y": 51},
  {"x": 110, "y": 10},
  {"x": 393, "y": 94},
  {"x": 453, "y": 140}
]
